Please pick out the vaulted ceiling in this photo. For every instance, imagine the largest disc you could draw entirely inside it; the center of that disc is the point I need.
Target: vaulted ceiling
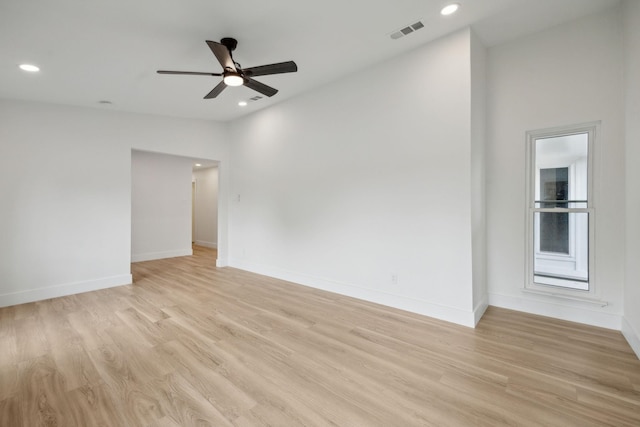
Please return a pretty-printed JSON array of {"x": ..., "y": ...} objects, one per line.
[{"x": 105, "y": 54}]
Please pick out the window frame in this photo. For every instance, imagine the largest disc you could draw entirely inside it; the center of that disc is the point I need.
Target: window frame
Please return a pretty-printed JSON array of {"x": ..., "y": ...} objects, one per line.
[{"x": 592, "y": 129}]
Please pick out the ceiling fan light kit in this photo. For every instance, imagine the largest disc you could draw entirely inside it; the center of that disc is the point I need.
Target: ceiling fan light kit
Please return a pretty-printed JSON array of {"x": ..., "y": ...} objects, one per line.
[
  {"x": 233, "y": 74},
  {"x": 233, "y": 79}
]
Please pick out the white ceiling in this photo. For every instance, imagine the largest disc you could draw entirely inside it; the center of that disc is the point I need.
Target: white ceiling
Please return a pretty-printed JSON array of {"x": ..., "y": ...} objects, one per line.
[{"x": 96, "y": 50}]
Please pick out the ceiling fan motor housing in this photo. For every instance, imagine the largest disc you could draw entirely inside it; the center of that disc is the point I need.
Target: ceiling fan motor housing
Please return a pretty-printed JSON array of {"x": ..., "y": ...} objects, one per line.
[{"x": 229, "y": 43}]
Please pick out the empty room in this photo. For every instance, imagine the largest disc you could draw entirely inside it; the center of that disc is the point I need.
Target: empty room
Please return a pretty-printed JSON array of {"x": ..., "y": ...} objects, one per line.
[{"x": 362, "y": 213}]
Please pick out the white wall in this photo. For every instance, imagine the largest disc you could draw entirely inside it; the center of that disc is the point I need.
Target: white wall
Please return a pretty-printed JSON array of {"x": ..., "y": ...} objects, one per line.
[
  {"x": 206, "y": 207},
  {"x": 362, "y": 180},
  {"x": 566, "y": 75},
  {"x": 631, "y": 323},
  {"x": 65, "y": 181},
  {"x": 160, "y": 206}
]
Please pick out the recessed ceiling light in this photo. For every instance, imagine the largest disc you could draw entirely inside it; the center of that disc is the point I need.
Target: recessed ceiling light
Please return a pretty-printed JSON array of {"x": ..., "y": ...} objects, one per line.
[
  {"x": 242, "y": 103},
  {"x": 198, "y": 165},
  {"x": 29, "y": 67},
  {"x": 448, "y": 10}
]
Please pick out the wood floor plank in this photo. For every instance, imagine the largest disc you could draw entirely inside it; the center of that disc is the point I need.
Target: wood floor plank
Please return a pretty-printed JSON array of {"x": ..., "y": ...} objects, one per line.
[
  {"x": 8, "y": 381},
  {"x": 11, "y": 412},
  {"x": 91, "y": 330},
  {"x": 193, "y": 344},
  {"x": 42, "y": 393},
  {"x": 136, "y": 357},
  {"x": 95, "y": 406},
  {"x": 31, "y": 341},
  {"x": 202, "y": 374},
  {"x": 184, "y": 404},
  {"x": 141, "y": 407},
  {"x": 58, "y": 307},
  {"x": 165, "y": 422},
  {"x": 125, "y": 386},
  {"x": 144, "y": 329},
  {"x": 277, "y": 405},
  {"x": 8, "y": 344},
  {"x": 75, "y": 366},
  {"x": 25, "y": 310},
  {"x": 58, "y": 332},
  {"x": 393, "y": 386}
]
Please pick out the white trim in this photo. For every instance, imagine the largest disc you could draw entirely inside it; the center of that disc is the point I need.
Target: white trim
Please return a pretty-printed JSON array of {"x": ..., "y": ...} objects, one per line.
[
  {"x": 150, "y": 256},
  {"x": 221, "y": 262},
  {"x": 480, "y": 309},
  {"x": 213, "y": 245},
  {"x": 631, "y": 335},
  {"x": 576, "y": 297},
  {"x": 22, "y": 297},
  {"x": 413, "y": 305},
  {"x": 548, "y": 305}
]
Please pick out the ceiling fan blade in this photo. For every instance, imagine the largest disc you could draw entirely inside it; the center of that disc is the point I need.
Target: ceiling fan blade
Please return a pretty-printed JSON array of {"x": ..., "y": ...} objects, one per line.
[
  {"x": 259, "y": 87},
  {"x": 222, "y": 53},
  {"x": 279, "y": 68},
  {"x": 189, "y": 73},
  {"x": 216, "y": 90}
]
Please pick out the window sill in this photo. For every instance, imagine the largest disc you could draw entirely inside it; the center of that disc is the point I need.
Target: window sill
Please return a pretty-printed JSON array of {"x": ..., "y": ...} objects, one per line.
[{"x": 593, "y": 301}]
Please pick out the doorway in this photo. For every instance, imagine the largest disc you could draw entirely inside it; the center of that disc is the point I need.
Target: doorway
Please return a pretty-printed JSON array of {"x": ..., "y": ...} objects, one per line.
[
  {"x": 164, "y": 222},
  {"x": 205, "y": 206}
]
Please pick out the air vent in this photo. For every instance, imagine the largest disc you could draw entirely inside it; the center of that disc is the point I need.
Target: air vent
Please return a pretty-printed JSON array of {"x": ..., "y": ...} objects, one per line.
[{"x": 407, "y": 30}]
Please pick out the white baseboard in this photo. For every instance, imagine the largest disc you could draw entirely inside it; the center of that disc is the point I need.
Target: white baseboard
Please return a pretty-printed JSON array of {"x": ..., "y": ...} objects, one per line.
[
  {"x": 221, "y": 262},
  {"x": 479, "y": 310},
  {"x": 40, "y": 294},
  {"x": 571, "y": 311},
  {"x": 150, "y": 256},
  {"x": 632, "y": 336},
  {"x": 213, "y": 245},
  {"x": 449, "y": 314}
]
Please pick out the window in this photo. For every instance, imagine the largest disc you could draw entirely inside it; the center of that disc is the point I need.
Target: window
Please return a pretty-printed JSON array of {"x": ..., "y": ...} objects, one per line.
[{"x": 560, "y": 213}]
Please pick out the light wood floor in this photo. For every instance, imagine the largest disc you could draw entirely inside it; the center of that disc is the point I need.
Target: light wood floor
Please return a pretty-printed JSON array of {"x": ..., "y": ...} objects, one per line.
[{"x": 190, "y": 344}]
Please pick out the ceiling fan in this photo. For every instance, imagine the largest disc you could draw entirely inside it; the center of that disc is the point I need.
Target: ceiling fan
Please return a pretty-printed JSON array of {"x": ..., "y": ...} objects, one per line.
[{"x": 234, "y": 75}]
